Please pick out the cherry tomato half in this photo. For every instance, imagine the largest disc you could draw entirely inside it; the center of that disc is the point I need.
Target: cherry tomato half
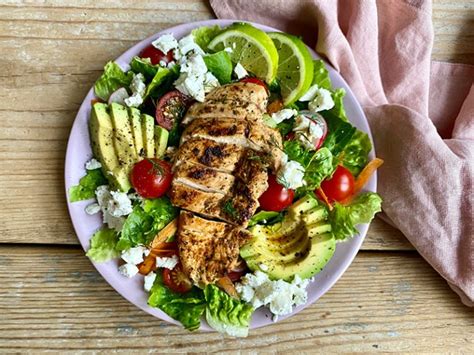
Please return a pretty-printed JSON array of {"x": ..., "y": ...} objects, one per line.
[
  {"x": 151, "y": 178},
  {"x": 156, "y": 56},
  {"x": 276, "y": 197},
  {"x": 177, "y": 280},
  {"x": 253, "y": 80},
  {"x": 340, "y": 185},
  {"x": 170, "y": 108}
]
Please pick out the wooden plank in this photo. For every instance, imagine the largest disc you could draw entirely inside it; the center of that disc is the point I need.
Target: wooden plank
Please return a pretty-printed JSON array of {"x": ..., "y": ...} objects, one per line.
[{"x": 53, "y": 299}]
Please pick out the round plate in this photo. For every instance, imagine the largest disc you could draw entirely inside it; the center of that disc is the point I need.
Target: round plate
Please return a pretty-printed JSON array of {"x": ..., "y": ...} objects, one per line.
[{"x": 79, "y": 152}]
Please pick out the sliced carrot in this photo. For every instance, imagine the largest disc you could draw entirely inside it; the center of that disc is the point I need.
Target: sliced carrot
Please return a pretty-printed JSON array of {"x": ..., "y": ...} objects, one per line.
[
  {"x": 167, "y": 232},
  {"x": 148, "y": 265},
  {"x": 227, "y": 285},
  {"x": 325, "y": 198},
  {"x": 364, "y": 177},
  {"x": 274, "y": 106}
]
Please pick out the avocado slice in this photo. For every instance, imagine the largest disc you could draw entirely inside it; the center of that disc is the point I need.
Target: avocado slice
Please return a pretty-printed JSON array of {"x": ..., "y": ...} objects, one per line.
[
  {"x": 123, "y": 138},
  {"x": 161, "y": 141},
  {"x": 148, "y": 130},
  {"x": 301, "y": 244},
  {"x": 101, "y": 132},
  {"x": 136, "y": 123}
]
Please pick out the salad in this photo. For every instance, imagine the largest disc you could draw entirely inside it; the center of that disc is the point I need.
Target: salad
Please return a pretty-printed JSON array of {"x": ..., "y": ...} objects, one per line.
[{"x": 226, "y": 172}]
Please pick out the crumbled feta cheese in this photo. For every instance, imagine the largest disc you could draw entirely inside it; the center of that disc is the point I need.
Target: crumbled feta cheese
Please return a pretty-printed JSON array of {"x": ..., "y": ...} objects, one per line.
[
  {"x": 210, "y": 82},
  {"x": 167, "y": 263},
  {"x": 171, "y": 64},
  {"x": 283, "y": 115},
  {"x": 138, "y": 88},
  {"x": 195, "y": 66},
  {"x": 114, "y": 206},
  {"x": 148, "y": 281},
  {"x": 307, "y": 131},
  {"x": 240, "y": 71},
  {"x": 119, "y": 96},
  {"x": 187, "y": 44},
  {"x": 291, "y": 175},
  {"x": 228, "y": 50},
  {"x": 263, "y": 267},
  {"x": 128, "y": 270},
  {"x": 191, "y": 86},
  {"x": 92, "y": 208},
  {"x": 93, "y": 164},
  {"x": 310, "y": 94},
  {"x": 165, "y": 43},
  {"x": 162, "y": 63},
  {"x": 134, "y": 255},
  {"x": 322, "y": 101},
  {"x": 280, "y": 296},
  {"x": 134, "y": 101}
]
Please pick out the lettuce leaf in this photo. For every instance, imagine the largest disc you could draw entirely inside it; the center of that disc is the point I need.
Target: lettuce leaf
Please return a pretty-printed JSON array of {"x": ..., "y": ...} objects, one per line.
[
  {"x": 85, "y": 190},
  {"x": 220, "y": 65},
  {"x": 339, "y": 134},
  {"x": 338, "y": 109},
  {"x": 103, "y": 246},
  {"x": 344, "y": 218},
  {"x": 226, "y": 314},
  {"x": 356, "y": 153},
  {"x": 186, "y": 308},
  {"x": 321, "y": 75},
  {"x": 112, "y": 78},
  {"x": 145, "y": 222},
  {"x": 205, "y": 34},
  {"x": 144, "y": 66}
]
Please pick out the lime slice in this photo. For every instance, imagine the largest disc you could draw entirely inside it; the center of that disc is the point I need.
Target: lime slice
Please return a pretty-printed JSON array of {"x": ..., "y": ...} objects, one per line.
[
  {"x": 295, "y": 66},
  {"x": 250, "y": 47}
]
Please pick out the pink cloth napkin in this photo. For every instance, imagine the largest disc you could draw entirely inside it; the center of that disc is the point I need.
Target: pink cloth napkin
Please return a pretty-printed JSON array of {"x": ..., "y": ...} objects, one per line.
[{"x": 421, "y": 113}]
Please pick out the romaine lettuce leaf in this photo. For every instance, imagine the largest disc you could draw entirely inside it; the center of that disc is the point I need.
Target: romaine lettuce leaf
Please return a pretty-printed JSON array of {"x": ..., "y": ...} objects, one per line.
[
  {"x": 338, "y": 109},
  {"x": 321, "y": 75},
  {"x": 220, "y": 65},
  {"x": 112, "y": 78},
  {"x": 87, "y": 185},
  {"x": 205, "y": 34},
  {"x": 339, "y": 134},
  {"x": 144, "y": 66},
  {"x": 356, "y": 153},
  {"x": 103, "y": 245},
  {"x": 344, "y": 218},
  {"x": 226, "y": 314},
  {"x": 186, "y": 308},
  {"x": 145, "y": 222}
]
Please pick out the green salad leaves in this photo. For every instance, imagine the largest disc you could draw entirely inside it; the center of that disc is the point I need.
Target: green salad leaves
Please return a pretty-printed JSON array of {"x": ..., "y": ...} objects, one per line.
[
  {"x": 85, "y": 190},
  {"x": 204, "y": 35},
  {"x": 112, "y": 78},
  {"x": 145, "y": 222},
  {"x": 220, "y": 65},
  {"x": 103, "y": 245}
]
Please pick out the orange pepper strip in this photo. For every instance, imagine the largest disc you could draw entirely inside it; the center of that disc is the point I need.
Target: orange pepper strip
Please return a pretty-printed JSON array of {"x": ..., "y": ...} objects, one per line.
[
  {"x": 364, "y": 177},
  {"x": 274, "y": 106},
  {"x": 228, "y": 286},
  {"x": 163, "y": 235},
  {"x": 325, "y": 198}
]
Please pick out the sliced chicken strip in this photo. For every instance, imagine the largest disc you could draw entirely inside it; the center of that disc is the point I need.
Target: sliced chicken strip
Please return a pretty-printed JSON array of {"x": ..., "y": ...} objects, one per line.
[
  {"x": 245, "y": 92},
  {"x": 208, "y": 250}
]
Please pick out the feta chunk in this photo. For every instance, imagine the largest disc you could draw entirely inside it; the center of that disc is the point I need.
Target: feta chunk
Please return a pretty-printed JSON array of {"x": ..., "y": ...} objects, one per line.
[
  {"x": 283, "y": 115},
  {"x": 279, "y": 296},
  {"x": 167, "y": 263},
  {"x": 148, "y": 281},
  {"x": 191, "y": 86},
  {"x": 92, "y": 209},
  {"x": 310, "y": 94},
  {"x": 210, "y": 82},
  {"x": 134, "y": 101},
  {"x": 128, "y": 270},
  {"x": 93, "y": 164},
  {"x": 322, "y": 101},
  {"x": 119, "y": 96},
  {"x": 138, "y": 88},
  {"x": 114, "y": 206},
  {"x": 187, "y": 44},
  {"x": 307, "y": 131},
  {"x": 165, "y": 43},
  {"x": 120, "y": 204},
  {"x": 291, "y": 175},
  {"x": 195, "y": 66},
  {"x": 134, "y": 255},
  {"x": 240, "y": 71}
]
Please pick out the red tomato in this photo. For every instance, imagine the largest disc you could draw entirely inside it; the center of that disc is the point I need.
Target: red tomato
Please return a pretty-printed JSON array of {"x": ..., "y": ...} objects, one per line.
[
  {"x": 235, "y": 276},
  {"x": 177, "y": 280},
  {"x": 340, "y": 185},
  {"x": 156, "y": 55},
  {"x": 151, "y": 178},
  {"x": 253, "y": 80},
  {"x": 170, "y": 108},
  {"x": 277, "y": 197}
]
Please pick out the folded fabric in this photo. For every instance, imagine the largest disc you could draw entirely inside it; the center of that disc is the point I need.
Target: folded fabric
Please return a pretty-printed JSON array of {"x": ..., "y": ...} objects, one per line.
[{"x": 421, "y": 114}]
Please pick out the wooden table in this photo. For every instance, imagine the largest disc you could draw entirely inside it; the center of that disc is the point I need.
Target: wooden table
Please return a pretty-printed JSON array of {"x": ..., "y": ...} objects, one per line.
[{"x": 390, "y": 299}]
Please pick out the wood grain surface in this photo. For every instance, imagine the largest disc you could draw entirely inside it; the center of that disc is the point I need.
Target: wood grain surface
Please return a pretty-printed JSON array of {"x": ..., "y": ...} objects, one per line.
[{"x": 51, "y": 298}]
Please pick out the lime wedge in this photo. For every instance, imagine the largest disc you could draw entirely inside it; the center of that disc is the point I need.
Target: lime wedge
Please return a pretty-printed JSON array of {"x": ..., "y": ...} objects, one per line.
[
  {"x": 250, "y": 47},
  {"x": 295, "y": 66}
]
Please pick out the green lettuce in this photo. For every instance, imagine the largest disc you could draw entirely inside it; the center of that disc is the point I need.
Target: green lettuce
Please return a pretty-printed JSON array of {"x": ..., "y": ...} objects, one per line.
[
  {"x": 144, "y": 66},
  {"x": 344, "y": 218},
  {"x": 340, "y": 133},
  {"x": 145, "y": 222},
  {"x": 356, "y": 153},
  {"x": 220, "y": 65},
  {"x": 321, "y": 75},
  {"x": 226, "y": 314},
  {"x": 318, "y": 165},
  {"x": 112, "y": 78},
  {"x": 338, "y": 109},
  {"x": 205, "y": 34},
  {"x": 87, "y": 185},
  {"x": 186, "y": 308},
  {"x": 103, "y": 246}
]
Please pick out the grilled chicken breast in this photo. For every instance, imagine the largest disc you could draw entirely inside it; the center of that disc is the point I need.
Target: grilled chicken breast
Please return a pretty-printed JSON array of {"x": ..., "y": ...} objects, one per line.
[
  {"x": 208, "y": 250},
  {"x": 220, "y": 171}
]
